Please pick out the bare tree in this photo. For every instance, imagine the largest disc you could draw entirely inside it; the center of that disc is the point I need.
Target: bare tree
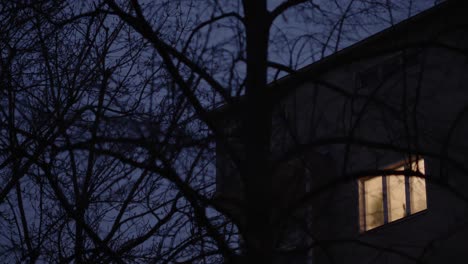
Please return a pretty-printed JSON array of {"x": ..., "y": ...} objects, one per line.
[{"x": 110, "y": 124}]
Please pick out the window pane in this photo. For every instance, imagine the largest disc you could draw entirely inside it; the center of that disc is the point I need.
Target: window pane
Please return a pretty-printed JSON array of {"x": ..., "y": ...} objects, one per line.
[
  {"x": 396, "y": 197},
  {"x": 418, "y": 166},
  {"x": 418, "y": 194},
  {"x": 418, "y": 188},
  {"x": 374, "y": 202}
]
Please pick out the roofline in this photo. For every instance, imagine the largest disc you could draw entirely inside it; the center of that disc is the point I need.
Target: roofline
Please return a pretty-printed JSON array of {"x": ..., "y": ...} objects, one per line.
[
  {"x": 279, "y": 88},
  {"x": 394, "y": 29}
]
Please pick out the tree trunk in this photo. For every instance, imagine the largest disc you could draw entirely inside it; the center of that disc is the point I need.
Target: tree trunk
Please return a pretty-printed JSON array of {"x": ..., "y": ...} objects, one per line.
[{"x": 256, "y": 134}]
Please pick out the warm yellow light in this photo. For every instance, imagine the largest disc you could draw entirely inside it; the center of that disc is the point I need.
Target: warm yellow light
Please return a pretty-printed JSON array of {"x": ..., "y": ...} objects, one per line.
[
  {"x": 374, "y": 202},
  {"x": 381, "y": 205}
]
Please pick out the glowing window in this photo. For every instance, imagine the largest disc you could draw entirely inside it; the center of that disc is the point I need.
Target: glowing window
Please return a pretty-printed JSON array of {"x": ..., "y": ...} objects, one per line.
[{"x": 383, "y": 199}]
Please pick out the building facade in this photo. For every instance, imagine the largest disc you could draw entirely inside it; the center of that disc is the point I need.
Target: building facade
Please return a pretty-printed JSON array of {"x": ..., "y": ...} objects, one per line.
[{"x": 372, "y": 142}]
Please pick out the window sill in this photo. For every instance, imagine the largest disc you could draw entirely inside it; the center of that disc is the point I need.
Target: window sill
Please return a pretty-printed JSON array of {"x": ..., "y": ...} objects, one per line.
[{"x": 393, "y": 223}]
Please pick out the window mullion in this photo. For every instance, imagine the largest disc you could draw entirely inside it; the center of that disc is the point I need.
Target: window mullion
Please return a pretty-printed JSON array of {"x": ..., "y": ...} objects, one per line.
[
  {"x": 385, "y": 198},
  {"x": 407, "y": 195}
]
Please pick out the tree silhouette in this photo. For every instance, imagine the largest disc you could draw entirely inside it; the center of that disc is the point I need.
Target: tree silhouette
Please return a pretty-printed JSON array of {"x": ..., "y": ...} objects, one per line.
[{"x": 114, "y": 114}]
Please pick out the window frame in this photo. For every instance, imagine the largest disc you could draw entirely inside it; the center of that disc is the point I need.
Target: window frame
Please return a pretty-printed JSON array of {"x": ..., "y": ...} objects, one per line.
[
  {"x": 386, "y": 68},
  {"x": 407, "y": 164}
]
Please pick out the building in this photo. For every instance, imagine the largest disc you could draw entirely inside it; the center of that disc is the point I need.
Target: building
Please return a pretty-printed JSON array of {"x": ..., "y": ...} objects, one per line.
[{"x": 377, "y": 147}]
